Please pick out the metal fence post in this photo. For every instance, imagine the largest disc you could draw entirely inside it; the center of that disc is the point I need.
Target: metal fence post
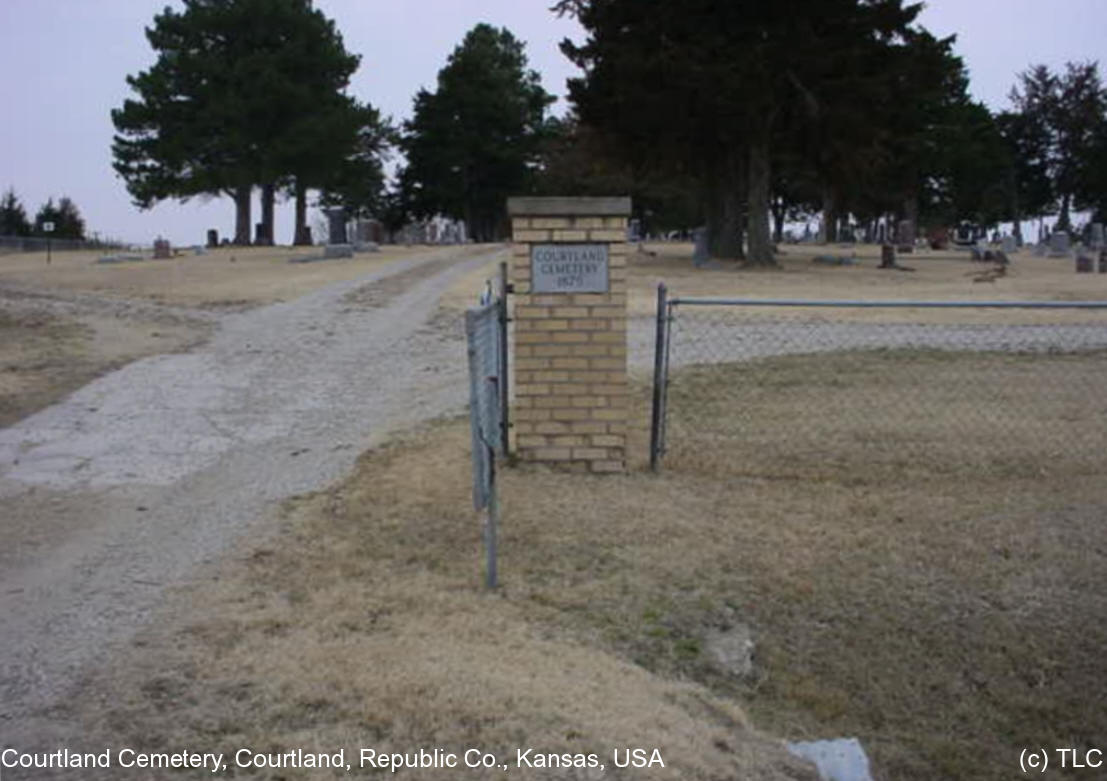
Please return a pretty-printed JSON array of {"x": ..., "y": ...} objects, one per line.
[
  {"x": 505, "y": 400},
  {"x": 659, "y": 378},
  {"x": 491, "y": 575}
]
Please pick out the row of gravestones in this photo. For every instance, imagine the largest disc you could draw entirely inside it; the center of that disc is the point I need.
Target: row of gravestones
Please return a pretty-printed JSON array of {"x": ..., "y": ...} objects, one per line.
[
  {"x": 432, "y": 233},
  {"x": 1060, "y": 244}
]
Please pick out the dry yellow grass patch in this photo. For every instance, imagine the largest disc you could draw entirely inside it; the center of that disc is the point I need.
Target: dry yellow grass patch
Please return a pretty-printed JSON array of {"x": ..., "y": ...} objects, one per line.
[
  {"x": 912, "y": 535},
  {"x": 465, "y": 292},
  {"x": 940, "y": 276},
  {"x": 896, "y": 413},
  {"x": 44, "y": 356},
  {"x": 945, "y": 611},
  {"x": 228, "y": 276},
  {"x": 364, "y": 625}
]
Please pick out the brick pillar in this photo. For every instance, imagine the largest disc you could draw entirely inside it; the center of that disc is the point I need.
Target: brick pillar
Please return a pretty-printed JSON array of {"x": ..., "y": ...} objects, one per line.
[{"x": 571, "y": 389}]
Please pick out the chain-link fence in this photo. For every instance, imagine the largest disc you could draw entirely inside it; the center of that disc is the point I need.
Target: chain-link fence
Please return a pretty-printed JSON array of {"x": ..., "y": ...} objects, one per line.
[
  {"x": 486, "y": 339},
  {"x": 810, "y": 388},
  {"x": 13, "y": 244}
]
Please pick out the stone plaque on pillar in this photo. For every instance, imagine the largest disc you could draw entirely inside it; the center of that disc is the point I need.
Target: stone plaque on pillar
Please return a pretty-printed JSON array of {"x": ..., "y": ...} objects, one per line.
[{"x": 572, "y": 395}]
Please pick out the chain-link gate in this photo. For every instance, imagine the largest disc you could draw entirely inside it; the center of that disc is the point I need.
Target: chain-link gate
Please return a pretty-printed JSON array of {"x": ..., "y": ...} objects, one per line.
[
  {"x": 486, "y": 338},
  {"x": 787, "y": 387}
]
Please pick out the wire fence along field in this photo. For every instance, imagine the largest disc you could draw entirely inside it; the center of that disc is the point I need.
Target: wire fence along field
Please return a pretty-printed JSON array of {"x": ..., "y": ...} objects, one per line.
[
  {"x": 805, "y": 394},
  {"x": 13, "y": 244}
]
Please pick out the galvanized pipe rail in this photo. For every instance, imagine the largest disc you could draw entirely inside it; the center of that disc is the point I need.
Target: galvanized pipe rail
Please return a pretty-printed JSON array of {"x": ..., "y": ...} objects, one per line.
[{"x": 894, "y": 304}]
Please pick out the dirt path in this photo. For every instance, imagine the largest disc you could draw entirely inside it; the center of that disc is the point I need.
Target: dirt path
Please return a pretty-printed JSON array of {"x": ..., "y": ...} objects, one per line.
[{"x": 134, "y": 481}]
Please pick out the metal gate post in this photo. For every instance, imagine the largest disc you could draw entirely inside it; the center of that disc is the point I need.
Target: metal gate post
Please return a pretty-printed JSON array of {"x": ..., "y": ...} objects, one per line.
[
  {"x": 660, "y": 376},
  {"x": 505, "y": 399}
]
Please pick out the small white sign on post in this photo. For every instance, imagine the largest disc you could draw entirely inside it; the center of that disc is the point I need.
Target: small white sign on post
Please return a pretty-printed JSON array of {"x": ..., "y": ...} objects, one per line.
[{"x": 48, "y": 227}]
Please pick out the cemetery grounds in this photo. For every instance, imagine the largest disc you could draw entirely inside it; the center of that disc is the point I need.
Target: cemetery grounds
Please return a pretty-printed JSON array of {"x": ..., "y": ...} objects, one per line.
[{"x": 947, "y": 620}]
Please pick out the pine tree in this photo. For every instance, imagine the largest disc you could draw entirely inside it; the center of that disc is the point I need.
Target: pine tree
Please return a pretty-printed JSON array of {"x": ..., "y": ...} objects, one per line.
[
  {"x": 473, "y": 142},
  {"x": 244, "y": 93},
  {"x": 1064, "y": 115},
  {"x": 13, "y": 217},
  {"x": 710, "y": 86}
]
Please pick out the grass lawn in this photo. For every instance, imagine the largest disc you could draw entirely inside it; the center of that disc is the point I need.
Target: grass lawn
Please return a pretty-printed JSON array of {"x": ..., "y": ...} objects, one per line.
[{"x": 946, "y": 616}]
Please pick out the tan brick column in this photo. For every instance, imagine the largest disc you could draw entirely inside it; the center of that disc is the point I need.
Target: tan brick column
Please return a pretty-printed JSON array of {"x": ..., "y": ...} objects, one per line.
[{"x": 571, "y": 389}]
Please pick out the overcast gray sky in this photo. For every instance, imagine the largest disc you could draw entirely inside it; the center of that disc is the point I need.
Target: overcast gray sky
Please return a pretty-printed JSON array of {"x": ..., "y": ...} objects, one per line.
[{"x": 65, "y": 61}]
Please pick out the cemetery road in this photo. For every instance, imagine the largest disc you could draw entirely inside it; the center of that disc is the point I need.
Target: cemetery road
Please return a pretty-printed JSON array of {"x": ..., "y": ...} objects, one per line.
[{"x": 137, "y": 480}]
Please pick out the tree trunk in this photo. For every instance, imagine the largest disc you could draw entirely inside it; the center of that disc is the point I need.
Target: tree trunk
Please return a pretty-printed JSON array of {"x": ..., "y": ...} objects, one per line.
[
  {"x": 242, "y": 196},
  {"x": 911, "y": 215},
  {"x": 724, "y": 209},
  {"x": 301, "y": 237},
  {"x": 1064, "y": 222},
  {"x": 780, "y": 209},
  {"x": 1016, "y": 210},
  {"x": 757, "y": 203},
  {"x": 268, "y": 202},
  {"x": 828, "y": 231}
]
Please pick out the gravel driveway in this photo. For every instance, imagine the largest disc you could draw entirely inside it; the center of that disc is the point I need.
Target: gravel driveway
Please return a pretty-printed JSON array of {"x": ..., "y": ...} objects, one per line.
[{"x": 140, "y": 477}]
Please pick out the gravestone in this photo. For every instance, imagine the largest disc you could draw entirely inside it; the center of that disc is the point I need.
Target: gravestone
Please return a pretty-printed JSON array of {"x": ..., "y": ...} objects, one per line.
[
  {"x": 572, "y": 393},
  {"x": 700, "y": 252},
  {"x": 213, "y": 238},
  {"x": 840, "y": 759},
  {"x": 1059, "y": 246},
  {"x": 1010, "y": 246},
  {"x": 1103, "y": 261},
  {"x": 161, "y": 249},
  {"x": 1085, "y": 264},
  {"x": 1041, "y": 250},
  {"x": 336, "y": 226},
  {"x": 1096, "y": 238},
  {"x": 338, "y": 251},
  {"x": 905, "y": 236}
]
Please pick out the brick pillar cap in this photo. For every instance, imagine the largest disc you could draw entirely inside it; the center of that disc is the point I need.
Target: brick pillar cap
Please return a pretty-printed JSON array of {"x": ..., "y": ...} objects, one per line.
[{"x": 617, "y": 206}]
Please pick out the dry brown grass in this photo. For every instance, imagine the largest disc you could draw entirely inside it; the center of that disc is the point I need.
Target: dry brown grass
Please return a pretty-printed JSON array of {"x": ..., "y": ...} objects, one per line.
[
  {"x": 226, "y": 277},
  {"x": 909, "y": 534},
  {"x": 44, "y": 357},
  {"x": 892, "y": 414},
  {"x": 465, "y": 292},
  {"x": 940, "y": 276},
  {"x": 947, "y": 615},
  {"x": 363, "y": 624}
]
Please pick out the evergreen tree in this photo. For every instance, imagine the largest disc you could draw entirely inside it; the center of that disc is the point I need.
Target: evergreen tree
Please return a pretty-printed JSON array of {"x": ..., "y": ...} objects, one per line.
[
  {"x": 1029, "y": 188},
  {"x": 70, "y": 224},
  {"x": 713, "y": 84},
  {"x": 1067, "y": 113},
  {"x": 473, "y": 142},
  {"x": 47, "y": 213},
  {"x": 228, "y": 103},
  {"x": 13, "y": 217}
]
